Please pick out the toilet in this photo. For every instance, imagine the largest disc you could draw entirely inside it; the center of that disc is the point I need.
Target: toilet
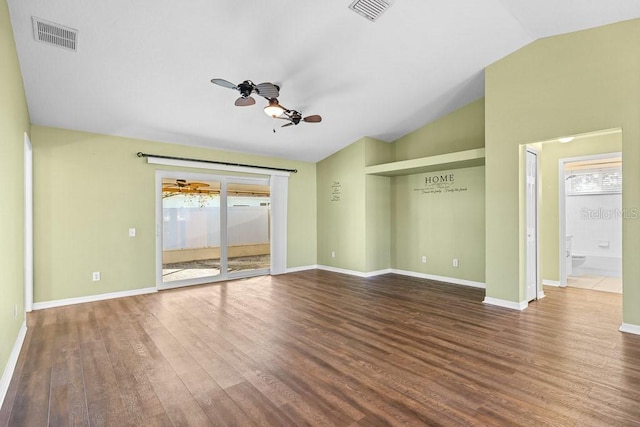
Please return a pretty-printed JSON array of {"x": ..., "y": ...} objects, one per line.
[
  {"x": 573, "y": 260},
  {"x": 577, "y": 260}
]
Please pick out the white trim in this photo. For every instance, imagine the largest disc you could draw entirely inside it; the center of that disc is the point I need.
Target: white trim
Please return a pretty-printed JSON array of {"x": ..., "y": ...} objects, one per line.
[
  {"x": 302, "y": 268},
  {"x": 10, "y": 367},
  {"x": 551, "y": 283},
  {"x": 541, "y": 294},
  {"x": 506, "y": 304},
  {"x": 452, "y": 280},
  {"x": 28, "y": 224},
  {"x": 210, "y": 166},
  {"x": 92, "y": 298},
  {"x": 630, "y": 329},
  {"x": 353, "y": 272}
]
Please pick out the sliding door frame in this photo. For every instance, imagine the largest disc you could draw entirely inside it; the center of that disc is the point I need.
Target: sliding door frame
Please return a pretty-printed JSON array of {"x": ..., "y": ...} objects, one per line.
[{"x": 278, "y": 224}]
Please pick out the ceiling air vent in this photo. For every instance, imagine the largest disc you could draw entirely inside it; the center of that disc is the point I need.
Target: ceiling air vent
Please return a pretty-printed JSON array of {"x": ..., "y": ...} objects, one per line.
[
  {"x": 370, "y": 9},
  {"x": 55, "y": 34}
]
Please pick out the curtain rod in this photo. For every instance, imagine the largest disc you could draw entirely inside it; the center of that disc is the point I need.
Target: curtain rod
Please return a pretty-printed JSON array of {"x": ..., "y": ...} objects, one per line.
[{"x": 141, "y": 154}]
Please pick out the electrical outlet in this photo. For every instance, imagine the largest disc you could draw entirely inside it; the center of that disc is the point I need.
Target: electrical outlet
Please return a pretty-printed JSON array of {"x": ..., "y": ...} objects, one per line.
[
  {"x": 424, "y": 259},
  {"x": 96, "y": 276},
  {"x": 333, "y": 254},
  {"x": 455, "y": 262},
  {"x": 132, "y": 232}
]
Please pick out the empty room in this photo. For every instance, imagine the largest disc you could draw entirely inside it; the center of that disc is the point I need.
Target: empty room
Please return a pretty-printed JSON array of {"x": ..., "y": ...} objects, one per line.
[{"x": 358, "y": 213}]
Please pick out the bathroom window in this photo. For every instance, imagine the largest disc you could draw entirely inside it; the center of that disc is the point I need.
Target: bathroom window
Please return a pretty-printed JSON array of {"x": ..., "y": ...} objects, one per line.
[{"x": 597, "y": 181}]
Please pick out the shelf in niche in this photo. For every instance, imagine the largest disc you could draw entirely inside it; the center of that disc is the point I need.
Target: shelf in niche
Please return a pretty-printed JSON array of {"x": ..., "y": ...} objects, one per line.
[{"x": 457, "y": 160}]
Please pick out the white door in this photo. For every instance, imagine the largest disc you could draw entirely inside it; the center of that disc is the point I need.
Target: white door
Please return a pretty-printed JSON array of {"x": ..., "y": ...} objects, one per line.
[{"x": 532, "y": 225}]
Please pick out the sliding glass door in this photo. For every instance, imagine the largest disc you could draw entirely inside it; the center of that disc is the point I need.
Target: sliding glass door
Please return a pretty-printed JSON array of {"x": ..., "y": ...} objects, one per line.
[
  {"x": 248, "y": 228},
  {"x": 212, "y": 228}
]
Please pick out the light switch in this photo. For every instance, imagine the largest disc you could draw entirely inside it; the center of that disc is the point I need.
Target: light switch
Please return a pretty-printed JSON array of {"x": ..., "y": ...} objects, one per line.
[{"x": 132, "y": 232}]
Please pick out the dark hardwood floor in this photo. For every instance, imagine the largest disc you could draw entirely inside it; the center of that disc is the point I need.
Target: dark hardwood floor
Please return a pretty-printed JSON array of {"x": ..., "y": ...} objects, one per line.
[{"x": 319, "y": 348}]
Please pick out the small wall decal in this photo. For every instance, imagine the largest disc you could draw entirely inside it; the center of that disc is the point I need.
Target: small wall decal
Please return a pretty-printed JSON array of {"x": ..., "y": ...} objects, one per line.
[{"x": 336, "y": 191}]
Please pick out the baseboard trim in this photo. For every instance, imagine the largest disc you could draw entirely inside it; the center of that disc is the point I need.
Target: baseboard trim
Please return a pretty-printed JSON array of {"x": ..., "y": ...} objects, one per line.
[
  {"x": 92, "y": 298},
  {"x": 555, "y": 283},
  {"x": 353, "y": 272},
  {"x": 302, "y": 268},
  {"x": 506, "y": 304},
  {"x": 445, "y": 279},
  {"x": 630, "y": 329},
  {"x": 10, "y": 367}
]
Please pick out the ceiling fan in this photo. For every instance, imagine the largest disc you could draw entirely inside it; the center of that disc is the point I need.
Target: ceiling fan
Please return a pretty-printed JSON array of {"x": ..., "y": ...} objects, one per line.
[
  {"x": 247, "y": 88},
  {"x": 183, "y": 186},
  {"x": 295, "y": 117},
  {"x": 270, "y": 92}
]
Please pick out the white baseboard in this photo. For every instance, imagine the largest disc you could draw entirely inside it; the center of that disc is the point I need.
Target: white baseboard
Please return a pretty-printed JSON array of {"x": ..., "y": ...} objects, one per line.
[
  {"x": 541, "y": 294},
  {"x": 630, "y": 329},
  {"x": 353, "y": 272},
  {"x": 506, "y": 304},
  {"x": 555, "y": 283},
  {"x": 10, "y": 367},
  {"x": 92, "y": 298},
  {"x": 302, "y": 268},
  {"x": 453, "y": 280}
]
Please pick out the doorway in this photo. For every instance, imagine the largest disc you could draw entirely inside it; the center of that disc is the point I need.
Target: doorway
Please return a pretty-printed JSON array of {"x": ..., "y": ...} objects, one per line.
[
  {"x": 212, "y": 228},
  {"x": 591, "y": 215}
]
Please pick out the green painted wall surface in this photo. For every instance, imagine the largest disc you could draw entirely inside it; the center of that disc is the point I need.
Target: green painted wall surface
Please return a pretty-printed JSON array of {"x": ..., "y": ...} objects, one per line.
[
  {"x": 413, "y": 233},
  {"x": 442, "y": 222},
  {"x": 342, "y": 208},
  {"x": 565, "y": 85},
  {"x": 378, "y": 207},
  {"x": 90, "y": 189},
  {"x": 460, "y": 130},
  {"x": 14, "y": 121},
  {"x": 549, "y": 157}
]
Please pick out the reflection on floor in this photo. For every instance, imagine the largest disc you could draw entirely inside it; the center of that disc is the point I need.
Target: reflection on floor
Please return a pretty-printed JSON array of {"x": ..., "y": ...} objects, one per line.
[
  {"x": 211, "y": 267},
  {"x": 596, "y": 283}
]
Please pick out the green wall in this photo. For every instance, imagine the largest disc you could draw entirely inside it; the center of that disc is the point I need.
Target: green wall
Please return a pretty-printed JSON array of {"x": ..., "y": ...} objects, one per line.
[
  {"x": 460, "y": 130},
  {"x": 445, "y": 226},
  {"x": 378, "y": 222},
  {"x": 564, "y": 85},
  {"x": 14, "y": 122},
  {"x": 90, "y": 189},
  {"x": 342, "y": 209},
  {"x": 549, "y": 156},
  {"x": 439, "y": 224}
]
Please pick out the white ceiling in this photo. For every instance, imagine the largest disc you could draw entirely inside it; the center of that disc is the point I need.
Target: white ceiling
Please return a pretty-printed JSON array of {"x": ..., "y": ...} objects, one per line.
[{"x": 143, "y": 68}]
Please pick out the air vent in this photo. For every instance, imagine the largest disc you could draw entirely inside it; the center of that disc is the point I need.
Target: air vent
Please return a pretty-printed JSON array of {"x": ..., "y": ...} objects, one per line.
[
  {"x": 371, "y": 9},
  {"x": 55, "y": 34}
]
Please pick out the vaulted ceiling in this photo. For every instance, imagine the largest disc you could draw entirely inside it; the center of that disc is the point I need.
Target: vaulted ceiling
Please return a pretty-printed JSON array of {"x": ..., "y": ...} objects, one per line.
[{"x": 143, "y": 68}]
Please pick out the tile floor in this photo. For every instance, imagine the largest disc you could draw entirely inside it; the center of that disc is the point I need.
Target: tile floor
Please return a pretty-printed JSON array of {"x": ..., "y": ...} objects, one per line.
[{"x": 596, "y": 283}]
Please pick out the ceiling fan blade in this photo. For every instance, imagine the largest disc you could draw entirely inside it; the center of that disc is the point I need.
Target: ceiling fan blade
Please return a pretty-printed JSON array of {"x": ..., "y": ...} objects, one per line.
[
  {"x": 287, "y": 124},
  {"x": 244, "y": 102},
  {"x": 268, "y": 90},
  {"x": 313, "y": 119},
  {"x": 224, "y": 83},
  {"x": 198, "y": 185}
]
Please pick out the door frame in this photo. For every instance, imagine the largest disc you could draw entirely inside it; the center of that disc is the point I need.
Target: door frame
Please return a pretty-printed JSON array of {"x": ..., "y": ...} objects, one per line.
[
  {"x": 224, "y": 180},
  {"x": 28, "y": 224},
  {"x": 538, "y": 292}
]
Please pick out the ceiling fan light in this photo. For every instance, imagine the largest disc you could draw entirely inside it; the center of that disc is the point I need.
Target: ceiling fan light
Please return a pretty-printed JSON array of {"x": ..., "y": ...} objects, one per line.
[{"x": 273, "y": 109}]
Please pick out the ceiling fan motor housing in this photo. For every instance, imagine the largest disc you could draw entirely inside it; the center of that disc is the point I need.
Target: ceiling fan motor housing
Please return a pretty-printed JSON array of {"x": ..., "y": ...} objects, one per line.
[{"x": 245, "y": 88}]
